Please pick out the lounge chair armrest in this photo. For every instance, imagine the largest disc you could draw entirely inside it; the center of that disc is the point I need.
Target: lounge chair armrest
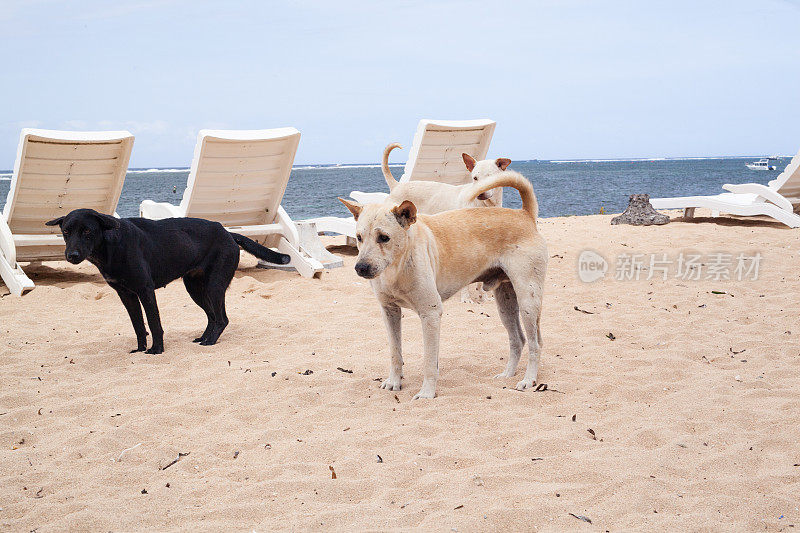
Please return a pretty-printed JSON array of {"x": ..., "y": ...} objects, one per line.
[
  {"x": 341, "y": 225},
  {"x": 158, "y": 210},
  {"x": 369, "y": 197},
  {"x": 763, "y": 191},
  {"x": 7, "y": 246}
]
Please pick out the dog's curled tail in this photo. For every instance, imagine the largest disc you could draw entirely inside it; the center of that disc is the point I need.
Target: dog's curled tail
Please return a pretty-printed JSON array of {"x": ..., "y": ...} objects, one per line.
[
  {"x": 387, "y": 173},
  {"x": 509, "y": 178},
  {"x": 262, "y": 252}
]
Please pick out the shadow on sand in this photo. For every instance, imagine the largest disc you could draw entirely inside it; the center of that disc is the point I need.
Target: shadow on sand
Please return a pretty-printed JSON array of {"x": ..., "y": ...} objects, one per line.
[{"x": 731, "y": 221}]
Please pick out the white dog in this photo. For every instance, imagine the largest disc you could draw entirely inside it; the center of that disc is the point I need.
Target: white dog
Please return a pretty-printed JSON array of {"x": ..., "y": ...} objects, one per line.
[
  {"x": 431, "y": 197},
  {"x": 418, "y": 261}
]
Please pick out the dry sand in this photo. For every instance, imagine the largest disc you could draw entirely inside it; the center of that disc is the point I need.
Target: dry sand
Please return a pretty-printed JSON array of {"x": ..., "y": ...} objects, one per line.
[{"x": 681, "y": 442}]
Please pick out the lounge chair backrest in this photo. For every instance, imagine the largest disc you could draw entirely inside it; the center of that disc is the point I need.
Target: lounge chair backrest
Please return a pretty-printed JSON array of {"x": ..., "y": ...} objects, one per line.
[
  {"x": 238, "y": 177},
  {"x": 437, "y": 147},
  {"x": 58, "y": 171},
  {"x": 788, "y": 182}
]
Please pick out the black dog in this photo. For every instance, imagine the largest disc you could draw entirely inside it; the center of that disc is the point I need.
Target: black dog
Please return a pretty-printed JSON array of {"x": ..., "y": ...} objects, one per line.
[{"x": 136, "y": 256}]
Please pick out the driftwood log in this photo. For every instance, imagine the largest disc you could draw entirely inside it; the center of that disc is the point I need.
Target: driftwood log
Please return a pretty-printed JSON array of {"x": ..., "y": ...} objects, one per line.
[{"x": 640, "y": 213}]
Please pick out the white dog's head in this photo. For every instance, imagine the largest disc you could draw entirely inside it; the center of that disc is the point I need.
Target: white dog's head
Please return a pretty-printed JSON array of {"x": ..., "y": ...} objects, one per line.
[
  {"x": 486, "y": 168},
  {"x": 381, "y": 233}
]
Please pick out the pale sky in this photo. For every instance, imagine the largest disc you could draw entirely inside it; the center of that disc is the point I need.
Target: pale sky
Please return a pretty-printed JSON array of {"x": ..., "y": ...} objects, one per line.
[{"x": 563, "y": 79}]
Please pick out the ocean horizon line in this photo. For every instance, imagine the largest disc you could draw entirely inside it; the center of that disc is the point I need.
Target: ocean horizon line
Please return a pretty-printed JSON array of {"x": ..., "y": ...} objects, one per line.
[{"x": 5, "y": 175}]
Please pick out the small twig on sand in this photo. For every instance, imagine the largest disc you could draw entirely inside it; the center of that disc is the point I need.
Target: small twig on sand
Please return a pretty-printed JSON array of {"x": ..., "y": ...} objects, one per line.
[
  {"x": 581, "y": 517},
  {"x": 180, "y": 455},
  {"x": 127, "y": 450}
]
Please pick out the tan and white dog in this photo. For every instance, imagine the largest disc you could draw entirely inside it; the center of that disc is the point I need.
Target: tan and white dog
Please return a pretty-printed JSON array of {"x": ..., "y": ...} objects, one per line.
[
  {"x": 431, "y": 197},
  {"x": 418, "y": 261}
]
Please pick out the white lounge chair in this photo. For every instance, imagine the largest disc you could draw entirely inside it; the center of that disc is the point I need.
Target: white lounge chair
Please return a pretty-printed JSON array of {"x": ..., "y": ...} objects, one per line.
[
  {"x": 238, "y": 178},
  {"x": 435, "y": 156},
  {"x": 54, "y": 173},
  {"x": 780, "y": 199}
]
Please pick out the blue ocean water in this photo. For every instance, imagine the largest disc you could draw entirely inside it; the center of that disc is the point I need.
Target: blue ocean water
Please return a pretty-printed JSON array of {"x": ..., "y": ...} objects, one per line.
[{"x": 563, "y": 188}]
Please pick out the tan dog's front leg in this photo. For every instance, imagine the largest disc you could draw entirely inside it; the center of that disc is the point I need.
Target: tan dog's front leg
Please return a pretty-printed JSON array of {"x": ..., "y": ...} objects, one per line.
[
  {"x": 392, "y": 318},
  {"x": 431, "y": 322}
]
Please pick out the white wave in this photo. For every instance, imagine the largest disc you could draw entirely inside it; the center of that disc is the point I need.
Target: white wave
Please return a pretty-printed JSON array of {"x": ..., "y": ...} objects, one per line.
[
  {"x": 611, "y": 160},
  {"x": 301, "y": 167},
  {"x": 321, "y": 167},
  {"x": 642, "y": 159},
  {"x": 156, "y": 170},
  {"x": 5, "y": 177}
]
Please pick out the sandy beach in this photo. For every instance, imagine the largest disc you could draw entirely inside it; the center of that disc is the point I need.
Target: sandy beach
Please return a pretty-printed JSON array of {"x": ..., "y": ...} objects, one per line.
[{"x": 687, "y": 420}]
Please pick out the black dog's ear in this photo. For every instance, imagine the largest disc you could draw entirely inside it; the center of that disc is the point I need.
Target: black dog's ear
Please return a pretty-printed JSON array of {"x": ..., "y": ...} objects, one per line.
[
  {"x": 107, "y": 221},
  {"x": 55, "y": 221}
]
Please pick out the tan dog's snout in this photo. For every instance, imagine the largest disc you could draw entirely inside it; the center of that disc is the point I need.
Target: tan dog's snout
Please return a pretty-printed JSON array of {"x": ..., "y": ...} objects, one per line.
[{"x": 366, "y": 270}]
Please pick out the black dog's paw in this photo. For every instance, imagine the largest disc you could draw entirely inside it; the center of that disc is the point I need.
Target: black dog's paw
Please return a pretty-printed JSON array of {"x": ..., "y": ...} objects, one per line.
[
  {"x": 198, "y": 339},
  {"x": 139, "y": 349},
  {"x": 205, "y": 342},
  {"x": 155, "y": 350}
]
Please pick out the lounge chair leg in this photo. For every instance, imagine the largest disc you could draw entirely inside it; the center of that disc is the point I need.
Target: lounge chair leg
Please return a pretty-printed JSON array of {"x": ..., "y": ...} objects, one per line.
[
  {"x": 306, "y": 266},
  {"x": 688, "y": 212},
  {"x": 15, "y": 279},
  {"x": 311, "y": 244}
]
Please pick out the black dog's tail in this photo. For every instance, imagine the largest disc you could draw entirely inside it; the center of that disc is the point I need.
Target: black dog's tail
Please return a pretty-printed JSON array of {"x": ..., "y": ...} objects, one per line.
[{"x": 262, "y": 252}]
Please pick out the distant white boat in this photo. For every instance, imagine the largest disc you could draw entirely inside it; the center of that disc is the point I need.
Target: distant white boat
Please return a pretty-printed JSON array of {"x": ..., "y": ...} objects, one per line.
[{"x": 762, "y": 164}]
